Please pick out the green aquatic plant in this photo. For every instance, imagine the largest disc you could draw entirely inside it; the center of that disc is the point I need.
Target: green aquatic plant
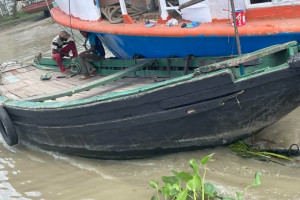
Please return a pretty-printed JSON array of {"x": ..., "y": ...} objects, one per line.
[
  {"x": 192, "y": 186},
  {"x": 240, "y": 195},
  {"x": 244, "y": 150}
]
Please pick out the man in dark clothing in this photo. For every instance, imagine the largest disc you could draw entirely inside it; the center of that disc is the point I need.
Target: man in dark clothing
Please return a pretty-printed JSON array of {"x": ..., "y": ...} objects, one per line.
[{"x": 93, "y": 54}]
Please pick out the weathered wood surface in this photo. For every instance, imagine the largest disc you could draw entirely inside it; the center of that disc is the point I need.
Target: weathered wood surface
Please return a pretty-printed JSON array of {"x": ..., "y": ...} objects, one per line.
[
  {"x": 24, "y": 83},
  {"x": 93, "y": 84},
  {"x": 245, "y": 58}
]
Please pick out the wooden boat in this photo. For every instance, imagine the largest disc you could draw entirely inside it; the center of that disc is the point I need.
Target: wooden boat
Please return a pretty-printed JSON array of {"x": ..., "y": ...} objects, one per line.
[
  {"x": 38, "y": 6},
  {"x": 144, "y": 107},
  {"x": 266, "y": 23}
]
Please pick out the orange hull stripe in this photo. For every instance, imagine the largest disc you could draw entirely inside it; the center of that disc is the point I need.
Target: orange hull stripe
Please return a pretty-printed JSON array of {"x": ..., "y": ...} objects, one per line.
[
  {"x": 292, "y": 11},
  {"x": 217, "y": 28}
]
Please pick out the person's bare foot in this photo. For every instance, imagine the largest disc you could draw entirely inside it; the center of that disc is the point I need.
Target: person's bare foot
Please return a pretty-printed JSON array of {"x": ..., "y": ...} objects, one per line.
[
  {"x": 85, "y": 76},
  {"x": 67, "y": 71},
  {"x": 93, "y": 71}
]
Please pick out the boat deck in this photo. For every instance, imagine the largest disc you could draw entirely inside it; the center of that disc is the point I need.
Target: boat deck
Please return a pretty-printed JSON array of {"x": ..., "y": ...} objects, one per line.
[{"x": 22, "y": 81}]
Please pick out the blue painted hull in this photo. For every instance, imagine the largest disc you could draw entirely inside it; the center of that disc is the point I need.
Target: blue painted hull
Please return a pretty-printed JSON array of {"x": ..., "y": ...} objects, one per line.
[{"x": 126, "y": 47}]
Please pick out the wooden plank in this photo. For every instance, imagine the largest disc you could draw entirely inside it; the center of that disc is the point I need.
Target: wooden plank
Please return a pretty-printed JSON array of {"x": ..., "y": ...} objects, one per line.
[
  {"x": 20, "y": 93},
  {"x": 105, "y": 3},
  {"x": 11, "y": 96},
  {"x": 245, "y": 58},
  {"x": 95, "y": 83},
  {"x": 189, "y": 3},
  {"x": 16, "y": 66}
]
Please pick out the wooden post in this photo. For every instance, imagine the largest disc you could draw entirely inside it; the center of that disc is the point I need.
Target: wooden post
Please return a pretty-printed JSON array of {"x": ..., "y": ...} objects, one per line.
[
  {"x": 237, "y": 38},
  {"x": 163, "y": 9},
  {"x": 98, "y": 6},
  {"x": 164, "y": 15},
  {"x": 126, "y": 17}
]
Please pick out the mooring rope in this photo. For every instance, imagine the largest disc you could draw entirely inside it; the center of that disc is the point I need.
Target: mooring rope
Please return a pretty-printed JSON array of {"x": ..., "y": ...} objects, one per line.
[
  {"x": 4, "y": 65},
  {"x": 294, "y": 152},
  {"x": 2, "y": 68},
  {"x": 114, "y": 14},
  {"x": 65, "y": 29},
  {"x": 70, "y": 19}
]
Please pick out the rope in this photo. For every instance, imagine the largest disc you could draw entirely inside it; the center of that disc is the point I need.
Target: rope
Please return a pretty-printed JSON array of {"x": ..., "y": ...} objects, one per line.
[
  {"x": 65, "y": 29},
  {"x": 4, "y": 65},
  {"x": 114, "y": 14},
  {"x": 70, "y": 19},
  {"x": 2, "y": 68},
  {"x": 294, "y": 152}
]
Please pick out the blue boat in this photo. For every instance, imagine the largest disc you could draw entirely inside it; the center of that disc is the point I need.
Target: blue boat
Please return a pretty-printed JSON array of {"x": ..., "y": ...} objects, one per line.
[{"x": 261, "y": 25}]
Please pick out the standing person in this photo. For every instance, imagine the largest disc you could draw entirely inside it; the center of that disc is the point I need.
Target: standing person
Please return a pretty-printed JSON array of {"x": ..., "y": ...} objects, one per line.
[
  {"x": 61, "y": 48},
  {"x": 93, "y": 54}
]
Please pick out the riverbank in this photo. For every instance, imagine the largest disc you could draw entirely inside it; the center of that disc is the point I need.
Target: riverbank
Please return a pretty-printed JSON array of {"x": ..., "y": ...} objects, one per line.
[
  {"x": 28, "y": 38},
  {"x": 10, "y": 21}
]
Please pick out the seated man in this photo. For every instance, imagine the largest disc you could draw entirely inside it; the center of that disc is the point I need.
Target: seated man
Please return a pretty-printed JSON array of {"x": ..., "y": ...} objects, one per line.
[
  {"x": 61, "y": 48},
  {"x": 93, "y": 54}
]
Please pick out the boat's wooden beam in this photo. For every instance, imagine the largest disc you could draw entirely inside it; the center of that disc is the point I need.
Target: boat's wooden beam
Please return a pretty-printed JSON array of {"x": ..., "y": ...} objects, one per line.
[
  {"x": 245, "y": 58},
  {"x": 163, "y": 7},
  {"x": 189, "y": 3},
  {"x": 93, "y": 84},
  {"x": 126, "y": 17}
]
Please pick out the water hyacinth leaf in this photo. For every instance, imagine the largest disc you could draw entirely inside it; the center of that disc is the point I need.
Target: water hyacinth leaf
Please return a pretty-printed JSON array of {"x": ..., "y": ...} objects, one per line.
[
  {"x": 210, "y": 190},
  {"x": 154, "y": 184},
  {"x": 154, "y": 198},
  {"x": 170, "y": 179},
  {"x": 205, "y": 159},
  {"x": 176, "y": 186},
  {"x": 194, "y": 184},
  {"x": 168, "y": 185},
  {"x": 257, "y": 181},
  {"x": 182, "y": 195},
  {"x": 173, "y": 191},
  {"x": 173, "y": 188},
  {"x": 194, "y": 166},
  {"x": 239, "y": 196},
  {"x": 165, "y": 191},
  {"x": 183, "y": 175}
]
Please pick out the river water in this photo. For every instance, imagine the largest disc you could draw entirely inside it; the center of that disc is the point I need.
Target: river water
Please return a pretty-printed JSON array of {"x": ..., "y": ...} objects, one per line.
[{"x": 27, "y": 172}]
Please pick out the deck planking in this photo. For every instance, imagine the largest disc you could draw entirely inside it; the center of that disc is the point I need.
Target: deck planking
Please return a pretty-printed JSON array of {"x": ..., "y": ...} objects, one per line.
[{"x": 22, "y": 82}]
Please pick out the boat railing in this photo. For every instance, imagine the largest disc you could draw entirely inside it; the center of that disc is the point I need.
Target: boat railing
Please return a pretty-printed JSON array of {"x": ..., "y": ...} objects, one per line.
[
  {"x": 164, "y": 8},
  {"x": 143, "y": 63},
  {"x": 31, "y": 2},
  {"x": 245, "y": 58}
]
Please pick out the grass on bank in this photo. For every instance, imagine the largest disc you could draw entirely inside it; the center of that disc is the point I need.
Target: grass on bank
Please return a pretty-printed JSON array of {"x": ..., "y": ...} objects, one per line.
[{"x": 9, "y": 20}]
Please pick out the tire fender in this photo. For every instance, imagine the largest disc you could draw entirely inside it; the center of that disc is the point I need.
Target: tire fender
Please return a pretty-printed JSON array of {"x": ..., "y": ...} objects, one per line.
[{"x": 7, "y": 128}]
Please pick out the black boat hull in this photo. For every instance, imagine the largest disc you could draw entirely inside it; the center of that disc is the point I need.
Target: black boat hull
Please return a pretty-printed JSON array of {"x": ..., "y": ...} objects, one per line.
[{"x": 200, "y": 113}]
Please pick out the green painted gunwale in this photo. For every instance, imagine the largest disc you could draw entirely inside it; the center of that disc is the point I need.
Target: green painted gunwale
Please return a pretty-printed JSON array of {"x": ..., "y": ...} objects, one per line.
[{"x": 271, "y": 66}]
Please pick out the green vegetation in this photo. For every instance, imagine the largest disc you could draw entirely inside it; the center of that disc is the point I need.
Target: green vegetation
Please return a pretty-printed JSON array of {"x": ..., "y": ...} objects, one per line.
[
  {"x": 186, "y": 186},
  {"x": 245, "y": 150},
  {"x": 9, "y": 20}
]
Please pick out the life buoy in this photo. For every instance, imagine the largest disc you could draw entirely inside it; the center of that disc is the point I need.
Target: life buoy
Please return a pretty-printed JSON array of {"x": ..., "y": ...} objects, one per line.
[{"x": 7, "y": 128}]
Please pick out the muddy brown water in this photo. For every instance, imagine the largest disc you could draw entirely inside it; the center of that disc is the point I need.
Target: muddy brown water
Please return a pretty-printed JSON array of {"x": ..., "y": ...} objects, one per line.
[{"x": 27, "y": 172}]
